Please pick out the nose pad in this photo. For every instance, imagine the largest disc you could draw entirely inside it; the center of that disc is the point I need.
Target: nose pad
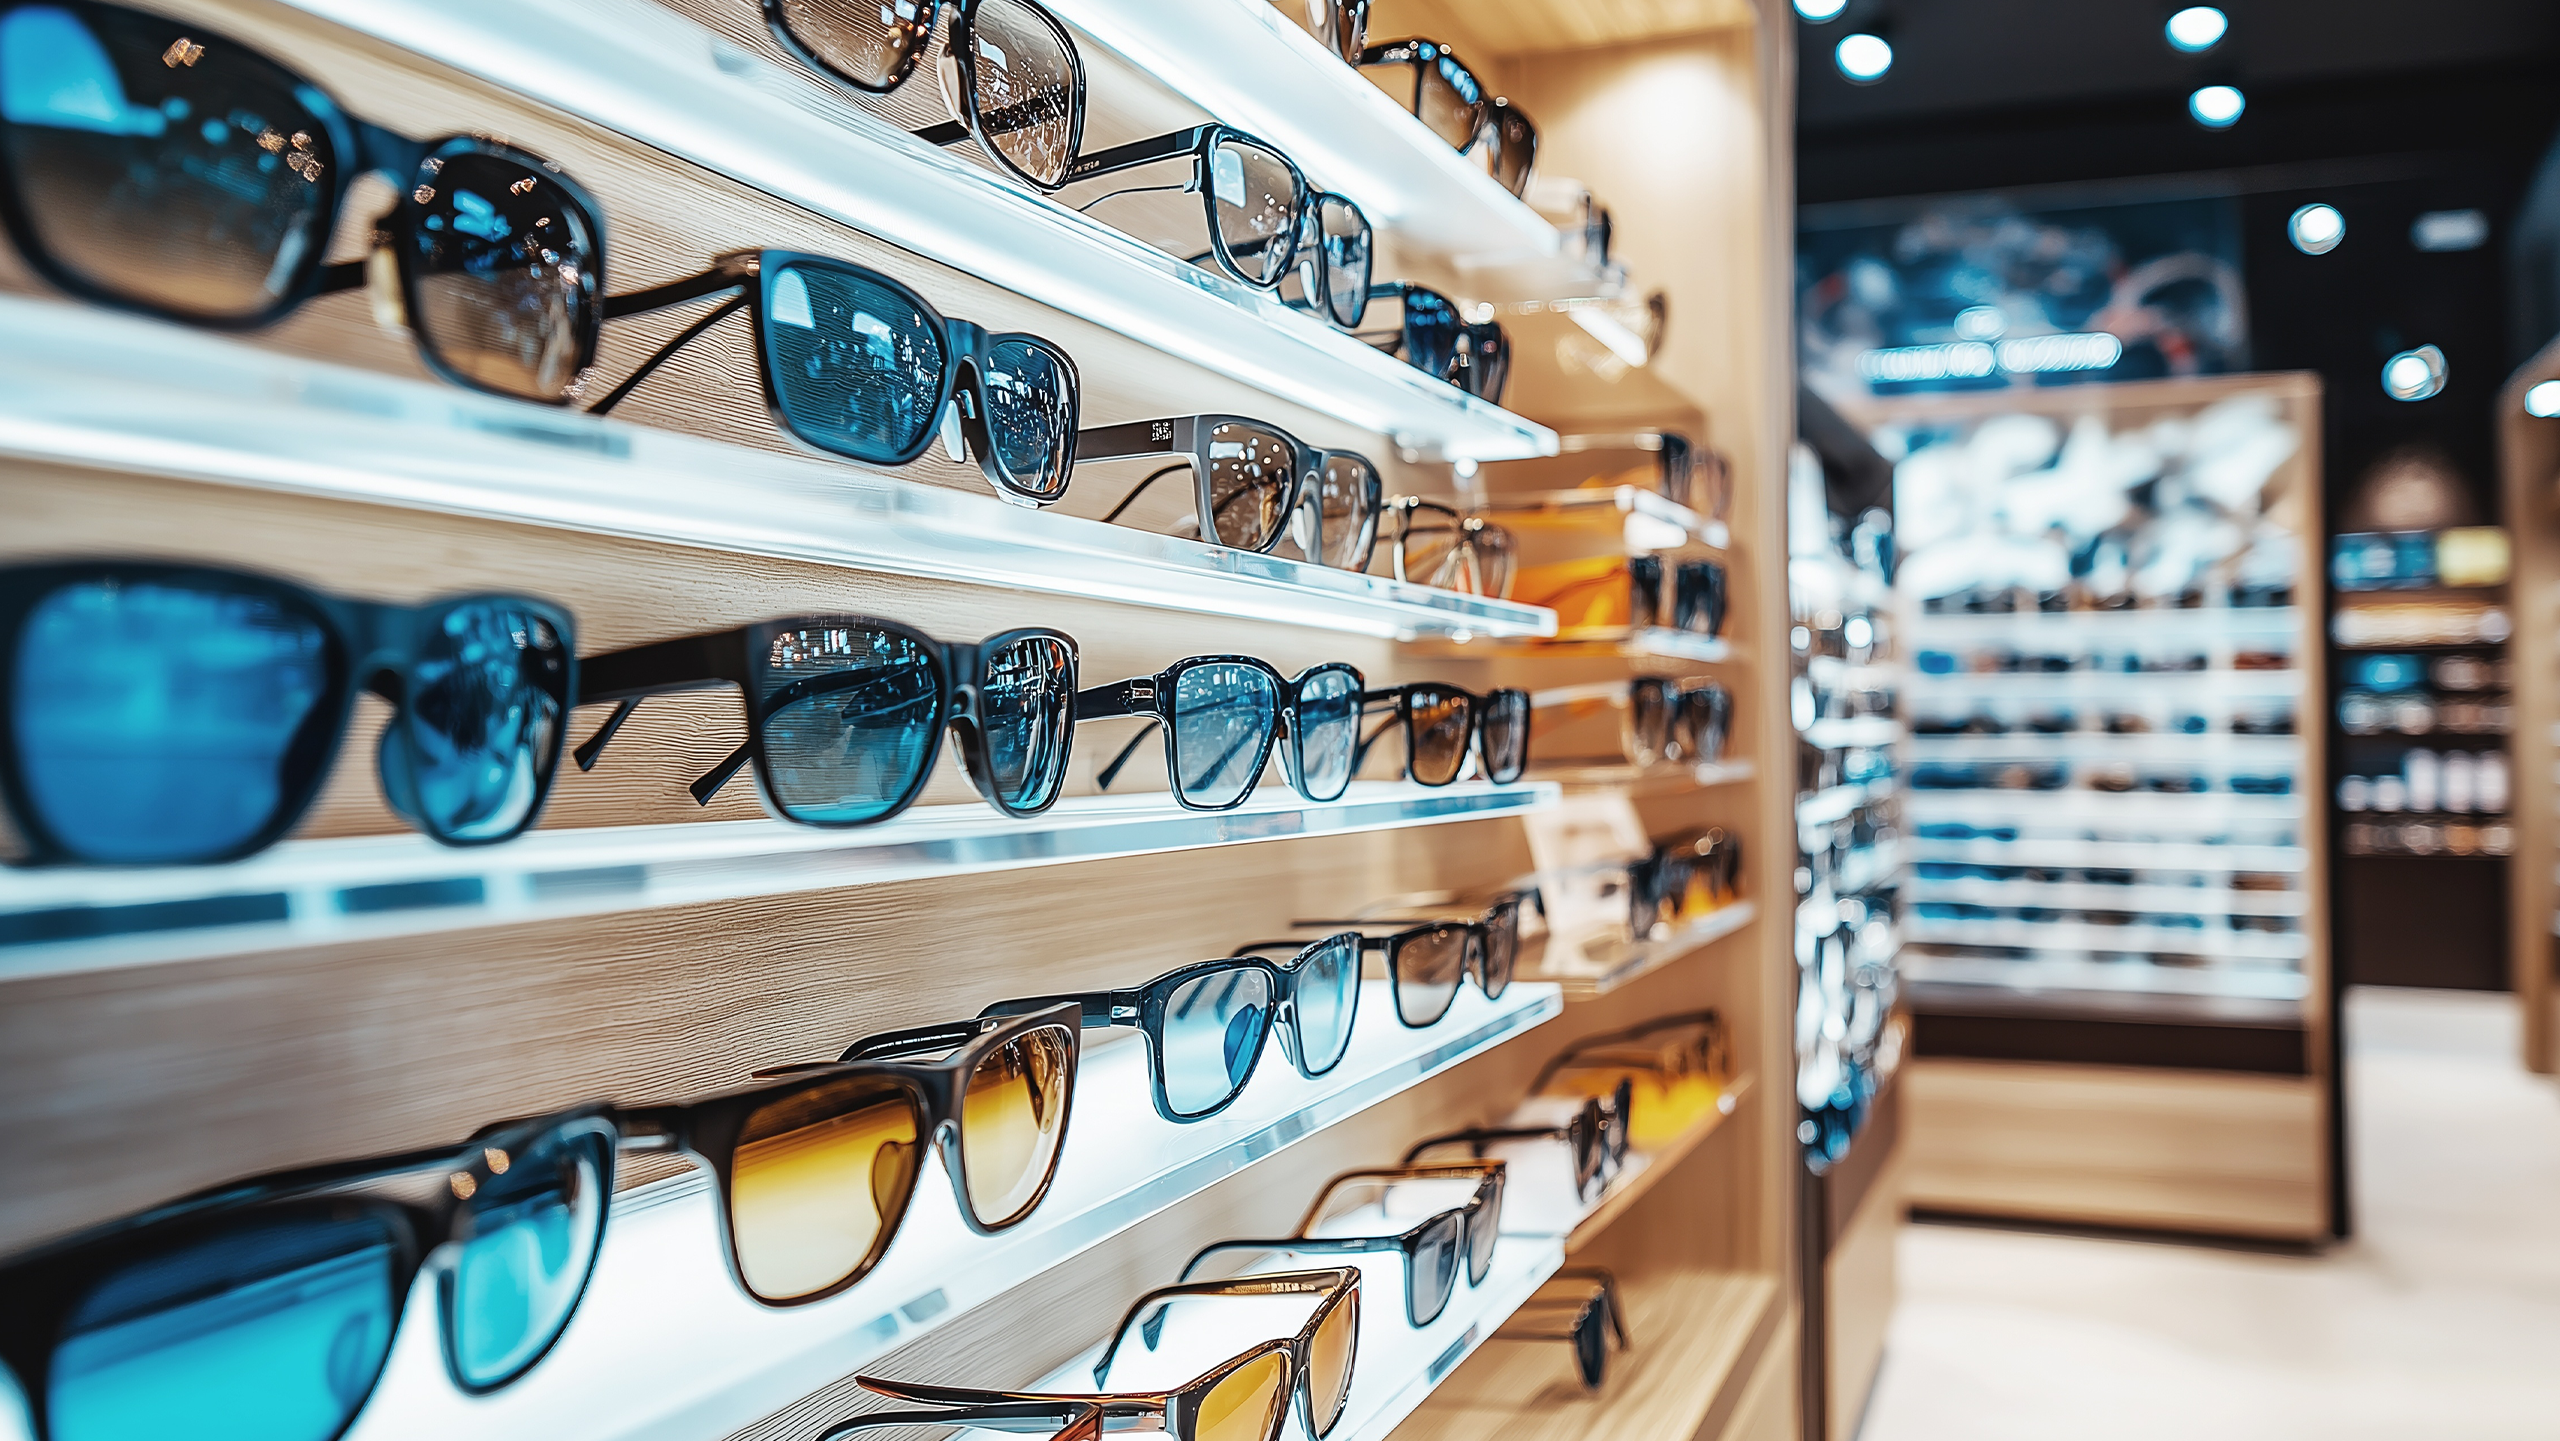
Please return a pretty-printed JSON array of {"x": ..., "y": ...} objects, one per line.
[
  {"x": 382, "y": 288},
  {"x": 397, "y": 767},
  {"x": 1304, "y": 524},
  {"x": 954, "y": 444},
  {"x": 946, "y": 73}
]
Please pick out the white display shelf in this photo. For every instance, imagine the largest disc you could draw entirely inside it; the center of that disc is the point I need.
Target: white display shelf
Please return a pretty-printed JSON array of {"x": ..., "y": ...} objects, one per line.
[
  {"x": 1659, "y": 779},
  {"x": 2278, "y": 627},
  {"x": 2163, "y": 747},
  {"x": 665, "y": 1345},
  {"x": 1822, "y": 807},
  {"x": 1603, "y": 966},
  {"x": 1648, "y": 643},
  {"x": 1830, "y": 672},
  {"x": 648, "y": 73},
  {"x": 2189, "y": 811},
  {"x": 2184, "y": 686},
  {"x": 2064, "y": 974},
  {"x": 84, "y": 387},
  {"x": 2134, "y": 855},
  {"x": 2073, "y": 895},
  {"x": 309, "y": 892},
  {"x": 2064, "y": 935},
  {"x": 1652, "y": 522},
  {"x": 1843, "y": 732}
]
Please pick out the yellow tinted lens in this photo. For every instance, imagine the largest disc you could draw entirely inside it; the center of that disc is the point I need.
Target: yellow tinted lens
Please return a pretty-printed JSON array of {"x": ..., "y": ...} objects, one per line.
[
  {"x": 1329, "y": 1362},
  {"x": 1246, "y": 1405},
  {"x": 1010, "y": 1122},
  {"x": 818, "y": 1181}
]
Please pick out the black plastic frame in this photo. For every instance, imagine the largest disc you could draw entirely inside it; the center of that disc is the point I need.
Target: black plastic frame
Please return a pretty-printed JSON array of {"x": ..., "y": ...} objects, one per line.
[
  {"x": 1186, "y": 437},
  {"x": 1402, "y": 696},
  {"x": 1293, "y": 756},
  {"x": 1423, "y": 56},
  {"x": 1151, "y": 696},
  {"x": 1482, "y": 1208},
  {"x": 1197, "y": 143},
  {"x": 1597, "y": 1136}
]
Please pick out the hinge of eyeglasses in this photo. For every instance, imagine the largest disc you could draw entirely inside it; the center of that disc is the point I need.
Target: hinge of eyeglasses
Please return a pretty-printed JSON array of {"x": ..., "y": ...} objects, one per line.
[
  {"x": 740, "y": 263},
  {"x": 1142, "y": 691},
  {"x": 1124, "y": 1013}
]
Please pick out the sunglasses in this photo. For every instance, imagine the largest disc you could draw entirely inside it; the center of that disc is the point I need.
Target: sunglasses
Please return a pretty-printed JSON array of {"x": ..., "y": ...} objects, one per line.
[
  {"x": 1473, "y": 356},
  {"x": 157, "y": 166},
  {"x": 1596, "y": 1137},
  {"x": 845, "y": 714},
  {"x": 855, "y": 364},
  {"x": 1021, "y": 91},
  {"x": 1321, "y": 1355},
  {"x": 1436, "y": 545},
  {"x": 1343, "y": 26},
  {"x": 171, "y": 714},
  {"x": 1426, "y": 962},
  {"x": 1334, "y": 257},
  {"x": 1254, "y": 484},
  {"x": 1587, "y": 1319},
  {"x": 1440, "y": 90},
  {"x": 1255, "y": 199},
  {"x": 1683, "y": 474},
  {"x": 1482, "y": 366},
  {"x": 1205, "y": 1023},
  {"x": 1682, "y": 879},
  {"x": 1244, "y": 1398},
  {"x": 1674, "y": 1066},
  {"x": 1216, "y": 713},
  {"x": 1442, "y": 723},
  {"x": 1663, "y": 719},
  {"x": 1445, "y": 1241},
  {"x": 1511, "y": 144}
]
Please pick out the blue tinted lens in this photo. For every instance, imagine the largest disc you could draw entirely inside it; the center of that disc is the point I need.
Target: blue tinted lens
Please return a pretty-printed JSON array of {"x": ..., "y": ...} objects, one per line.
[
  {"x": 267, "y": 1331},
  {"x": 533, "y": 1236},
  {"x": 1031, "y": 404},
  {"x": 1223, "y": 718},
  {"x": 1326, "y": 999},
  {"x": 856, "y": 366},
  {"x": 1213, "y": 1028},
  {"x": 852, "y": 721},
  {"x": 1028, "y": 699},
  {"x": 161, "y": 723},
  {"x": 485, "y": 693},
  {"x": 1328, "y": 717}
]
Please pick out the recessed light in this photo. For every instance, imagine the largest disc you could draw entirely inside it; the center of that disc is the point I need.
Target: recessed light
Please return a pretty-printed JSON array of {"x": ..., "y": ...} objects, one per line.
[
  {"x": 2217, "y": 107},
  {"x": 1864, "y": 58},
  {"x": 2544, "y": 400},
  {"x": 1818, "y": 11},
  {"x": 2417, "y": 374},
  {"x": 2197, "y": 28},
  {"x": 2316, "y": 229}
]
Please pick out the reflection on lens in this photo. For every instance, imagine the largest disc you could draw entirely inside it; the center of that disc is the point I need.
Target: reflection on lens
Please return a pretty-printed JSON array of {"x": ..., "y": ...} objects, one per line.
[
  {"x": 1246, "y": 1405},
  {"x": 270, "y": 1328},
  {"x": 1224, "y": 716},
  {"x": 1213, "y": 1030},
  {"x": 1439, "y": 719},
  {"x": 201, "y": 186},
  {"x": 1254, "y": 195},
  {"x": 1011, "y": 1121},
  {"x": 1430, "y": 333},
  {"x": 533, "y": 1237},
  {"x": 486, "y": 694},
  {"x": 1031, "y": 411},
  {"x": 818, "y": 1182},
  {"x": 1501, "y": 948},
  {"x": 1348, "y": 495},
  {"x": 506, "y": 268},
  {"x": 1433, "y": 1271},
  {"x": 1450, "y": 101},
  {"x": 1428, "y": 969},
  {"x": 870, "y": 44},
  {"x": 1026, "y": 84},
  {"x": 1345, "y": 253},
  {"x": 1326, "y": 1001},
  {"x": 1329, "y": 1356},
  {"x": 852, "y": 720},
  {"x": 162, "y": 722},
  {"x": 1252, "y": 473},
  {"x": 856, "y": 366},
  {"x": 1503, "y": 734},
  {"x": 1027, "y": 697},
  {"x": 1483, "y": 1232},
  {"x": 1328, "y": 720}
]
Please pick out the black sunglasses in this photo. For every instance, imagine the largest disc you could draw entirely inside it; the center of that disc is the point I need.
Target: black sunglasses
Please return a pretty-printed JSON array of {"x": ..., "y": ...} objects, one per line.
[
  {"x": 1322, "y": 1354},
  {"x": 1442, "y": 723},
  {"x": 856, "y": 364},
  {"x": 1482, "y": 367},
  {"x": 845, "y": 714},
  {"x": 155, "y": 165},
  {"x": 172, "y": 714},
  {"x": 1587, "y": 1319},
  {"x": 1427, "y": 330},
  {"x": 1664, "y": 888},
  {"x": 1435, "y": 1249},
  {"x": 1255, "y": 199},
  {"x": 1438, "y": 545},
  {"x": 1444, "y": 94},
  {"x": 1319, "y": 715},
  {"x": 1427, "y": 961},
  {"x": 1254, "y": 484},
  {"x": 1511, "y": 144},
  {"x": 1596, "y": 1137},
  {"x": 1698, "y": 597},
  {"x": 1343, "y": 26},
  {"x": 1334, "y": 257},
  {"x": 1676, "y": 720}
]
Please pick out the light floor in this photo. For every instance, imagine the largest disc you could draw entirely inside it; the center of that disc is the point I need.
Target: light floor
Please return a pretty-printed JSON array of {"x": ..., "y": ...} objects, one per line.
[{"x": 2440, "y": 1321}]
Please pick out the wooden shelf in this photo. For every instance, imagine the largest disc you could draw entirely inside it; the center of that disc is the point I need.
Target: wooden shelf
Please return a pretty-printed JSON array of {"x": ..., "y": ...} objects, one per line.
[{"x": 1631, "y": 1184}]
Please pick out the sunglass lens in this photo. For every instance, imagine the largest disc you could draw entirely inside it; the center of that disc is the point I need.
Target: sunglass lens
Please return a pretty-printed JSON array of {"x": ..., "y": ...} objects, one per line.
[
  {"x": 1434, "y": 1271},
  {"x": 1247, "y": 1404},
  {"x": 856, "y": 366},
  {"x": 168, "y": 721},
  {"x": 1026, "y": 78},
  {"x": 1223, "y": 719},
  {"x": 871, "y": 44},
  {"x": 852, "y": 719},
  {"x": 1483, "y": 1233},
  {"x": 1518, "y": 152},
  {"x": 1350, "y": 494},
  {"x": 1503, "y": 734},
  {"x": 1028, "y": 697},
  {"x": 161, "y": 163},
  {"x": 1255, "y": 196},
  {"x": 1648, "y": 720},
  {"x": 274, "y": 1328},
  {"x": 1328, "y": 719},
  {"x": 473, "y": 755},
  {"x": 1430, "y": 333},
  {"x": 1440, "y": 719},
  {"x": 506, "y": 268},
  {"x": 1428, "y": 969},
  {"x": 1451, "y": 103},
  {"x": 1253, "y": 474},
  {"x": 1327, "y": 1001},
  {"x": 1031, "y": 415},
  {"x": 1213, "y": 1030},
  {"x": 1329, "y": 1359},
  {"x": 1011, "y": 1121},
  {"x": 1344, "y": 249},
  {"x": 818, "y": 1182},
  {"x": 1501, "y": 947},
  {"x": 535, "y": 1229},
  {"x": 1590, "y": 1345}
]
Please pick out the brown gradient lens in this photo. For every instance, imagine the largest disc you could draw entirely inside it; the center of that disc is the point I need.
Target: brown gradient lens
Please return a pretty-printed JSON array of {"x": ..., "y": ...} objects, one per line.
[
  {"x": 818, "y": 1182},
  {"x": 1329, "y": 1357},
  {"x": 1437, "y": 723},
  {"x": 1253, "y": 472},
  {"x": 1026, "y": 84},
  {"x": 1011, "y": 1121},
  {"x": 873, "y": 45},
  {"x": 1246, "y": 1406}
]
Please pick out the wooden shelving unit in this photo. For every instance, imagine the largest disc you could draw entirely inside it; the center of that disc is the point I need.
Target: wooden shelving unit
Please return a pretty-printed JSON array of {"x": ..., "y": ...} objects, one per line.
[{"x": 2529, "y": 467}]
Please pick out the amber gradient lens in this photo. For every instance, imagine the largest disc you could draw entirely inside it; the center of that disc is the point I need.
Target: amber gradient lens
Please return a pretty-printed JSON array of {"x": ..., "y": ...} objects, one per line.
[
  {"x": 1329, "y": 1357},
  {"x": 818, "y": 1182},
  {"x": 1246, "y": 1405},
  {"x": 1439, "y": 720},
  {"x": 1011, "y": 1121}
]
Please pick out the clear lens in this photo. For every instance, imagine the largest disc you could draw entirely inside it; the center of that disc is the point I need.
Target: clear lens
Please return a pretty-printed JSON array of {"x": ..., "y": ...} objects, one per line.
[
  {"x": 1344, "y": 248},
  {"x": 1326, "y": 1001},
  {"x": 1254, "y": 195},
  {"x": 486, "y": 694},
  {"x": 1328, "y": 724},
  {"x": 1483, "y": 1231},
  {"x": 535, "y": 1228},
  {"x": 269, "y": 1329},
  {"x": 168, "y": 722},
  {"x": 1329, "y": 1357},
  {"x": 1246, "y": 1405},
  {"x": 1349, "y": 494},
  {"x": 852, "y": 719},
  {"x": 1224, "y": 716},
  {"x": 856, "y": 366},
  {"x": 818, "y": 1182},
  {"x": 1026, "y": 89},
  {"x": 1428, "y": 969},
  {"x": 1213, "y": 1030},
  {"x": 1031, "y": 411},
  {"x": 1437, "y": 722},
  {"x": 161, "y": 163},
  {"x": 1253, "y": 474},
  {"x": 872, "y": 44},
  {"x": 1027, "y": 697},
  {"x": 1011, "y": 1120},
  {"x": 506, "y": 268}
]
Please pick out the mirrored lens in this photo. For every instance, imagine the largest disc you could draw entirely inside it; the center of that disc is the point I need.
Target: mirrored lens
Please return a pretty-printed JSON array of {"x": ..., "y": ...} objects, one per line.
[
  {"x": 1031, "y": 413},
  {"x": 1329, "y": 1357},
  {"x": 162, "y": 164},
  {"x": 1503, "y": 734},
  {"x": 1437, "y": 722},
  {"x": 1011, "y": 1120},
  {"x": 1254, "y": 195},
  {"x": 1224, "y": 717},
  {"x": 1344, "y": 248},
  {"x": 536, "y": 1222},
  {"x": 851, "y": 722},
  {"x": 169, "y": 722},
  {"x": 1213, "y": 1030},
  {"x": 1246, "y": 1405},
  {"x": 505, "y": 268},
  {"x": 1428, "y": 967},
  {"x": 486, "y": 693},
  {"x": 1028, "y": 699},
  {"x": 269, "y": 1329},
  {"x": 1433, "y": 1269},
  {"x": 1253, "y": 475},
  {"x": 818, "y": 1182},
  {"x": 1450, "y": 101},
  {"x": 1025, "y": 77},
  {"x": 857, "y": 366},
  {"x": 1328, "y": 731},
  {"x": 1349, "y": 493},
  {"x": 1326, "y": 1001},
  {"x": 872, "y": 44}
]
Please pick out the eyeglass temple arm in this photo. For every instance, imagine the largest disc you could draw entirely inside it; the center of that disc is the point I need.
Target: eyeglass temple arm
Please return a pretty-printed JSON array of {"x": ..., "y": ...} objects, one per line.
[
  {"x": 941, "y": 1036},
  {"x": 694, "y": 662},
  {"x": 1078, "y": 1418},
  {"x": 1283, "y": 1283},
  {"x": 1141, "y": 487},
  {"x": 1171, "y": 436},
  {"x": 665, "y": 353},
  {"x": 1129, "y": 1406},
  {"x": 1303, "y": 1245},
  {"x": 1099, "y": 1008},
  {"x": 1121, "y": 698},
  {"x": 1475, "y": 1140},
  {"x": 730, "y": 274},
  {"x": 1136, "y": 153}
]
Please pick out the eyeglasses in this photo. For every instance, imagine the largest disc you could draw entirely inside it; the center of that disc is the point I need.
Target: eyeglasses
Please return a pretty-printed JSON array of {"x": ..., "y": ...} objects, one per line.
[
  {"x": 1436, "y": 545},
  {"x": 1321, "y": 1355},
  {"x": 1334, "y": 256},
  {"x": 154, "y": 165},
  {"x": 1426, "y": 962},
  {"x": 1205, "y": 1023},
  {"x": 1681, "y": 879},
  {"x": 1441, "y": 91},
  {"x": 1679, "y": 467},
  {"x": 1675, "y": 1068},
  {"x": 1698, "y": 597},
  {"x": 1473, "y": 356},
  {"x": 1447, "y": 1238},
  {"x": 1483, "y": 360},
  {"x": 1442, "y": 723},
  {"x": 1319, "y": 711},
  {"x": 1588, "y": 1318},
  {"x": 858, "y": 365},
  {"x": 1511, "y": 144},
  {"x": 845, "y": 714},
  {"x": 1596, "y": 1137},
  {"x": 1664, "y": 719},
  {"x": 1255, "y": 198},
  {"x": 1254, "y": 484},
  {"x": 170, "y": 714},
  {"x": 1245, "y": 1398},
  {"x": 1021, "y": 82}
]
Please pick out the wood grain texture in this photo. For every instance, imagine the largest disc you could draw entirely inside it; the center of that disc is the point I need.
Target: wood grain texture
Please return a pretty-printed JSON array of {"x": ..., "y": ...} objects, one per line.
[
  {"x": 1861, "y": 1276},
  {"x": 2529, "y": 471}
]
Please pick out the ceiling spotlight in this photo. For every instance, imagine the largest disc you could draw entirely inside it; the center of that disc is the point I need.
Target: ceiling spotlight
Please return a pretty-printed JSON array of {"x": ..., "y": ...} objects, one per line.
[
  {"x": 1818, "y": 11},
  {"x": 2217, "y": 107},
  {"x": 1864, "y": 58},
  {"x": 2544, "y": 400},
  {"x": 2197, "y": 28},
  {"x": 2316, "y": 229},
  {"x": 2414, "y": 374}
]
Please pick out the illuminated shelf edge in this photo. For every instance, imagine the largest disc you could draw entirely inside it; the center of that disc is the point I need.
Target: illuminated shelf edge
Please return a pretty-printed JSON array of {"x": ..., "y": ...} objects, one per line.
[
  {"x": 1628, "y": 960},
  {"x": 2052, "y": 974}
]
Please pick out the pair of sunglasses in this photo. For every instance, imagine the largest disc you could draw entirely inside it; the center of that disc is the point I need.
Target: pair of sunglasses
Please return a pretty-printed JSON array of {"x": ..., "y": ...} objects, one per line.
[
  {"x": 271, "y": 1304},
  {"x": 1222, "y": 715},
  {"x": 1596, "y": 1137},
  {"x": 1675, "y": 720},
  {"x": 158, "y": 166},
  {"x": 1474, "y": 356},
  {"x": 1427, "y": 962},
  {"x": 1334, "y": 258},
  {"x": 172, "y": 714},
  {"x": 1254, "y": 199},
  {"x": 1587, "y": 1318},
  {"x": 1442, "y": 724},
  {"x": 1254, "y": 484},
  {"x": 1440, "y": 546},
  {"x": 1697, "y": 600},
  {"x": 1446, "y": 1240},
  {"x": 1205, "y": 1023},
  {"x": 1682, "y": 878},
  {"x": 1322, "y": 1353},
  {"x": 1447, "y": 98},
  {"x": 1244, "y": 1398},
  {"x": 1676, "y": 1067}
]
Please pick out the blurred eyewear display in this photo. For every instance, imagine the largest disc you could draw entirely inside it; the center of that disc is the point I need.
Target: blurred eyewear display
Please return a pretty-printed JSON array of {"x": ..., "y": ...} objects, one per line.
[
  {"x": 1662, "y": 719},
  {"x": 1580, "y": 1306},
  {"x": 1683, "y": 473},
  {"x": 1319, "y": 713},
  {"x": 1245, "y": 1398},
  {"x": 1683, "y": 879},
  {"x": 1254, "y": 199},
  {"x": 164, "y": 714},
  {"x": 1343, "y": 26},
  {"x": 1511, "y": 144},
  {"x": 858, "y": 365},
  {"x": 1254, "y": 484},
  {"x": 1675, "y": 1070},
  {"x": 845, "y": 714},
  {"x": 1322, "y": 1353},
  {"x": 1407, "y": 1210},
  {"x": 1430, "y": 337},
  {"x": 1437, "y": 545},
  {"x": 1450, "y": 101},
  {"x": 1221, "y": 715},
  {"x": 1596, "y": 1138},
  {"x": 1443, "y": 724},
  {"x": 1426, "y": 962},
  {"x": 1609, "y": 591}
]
